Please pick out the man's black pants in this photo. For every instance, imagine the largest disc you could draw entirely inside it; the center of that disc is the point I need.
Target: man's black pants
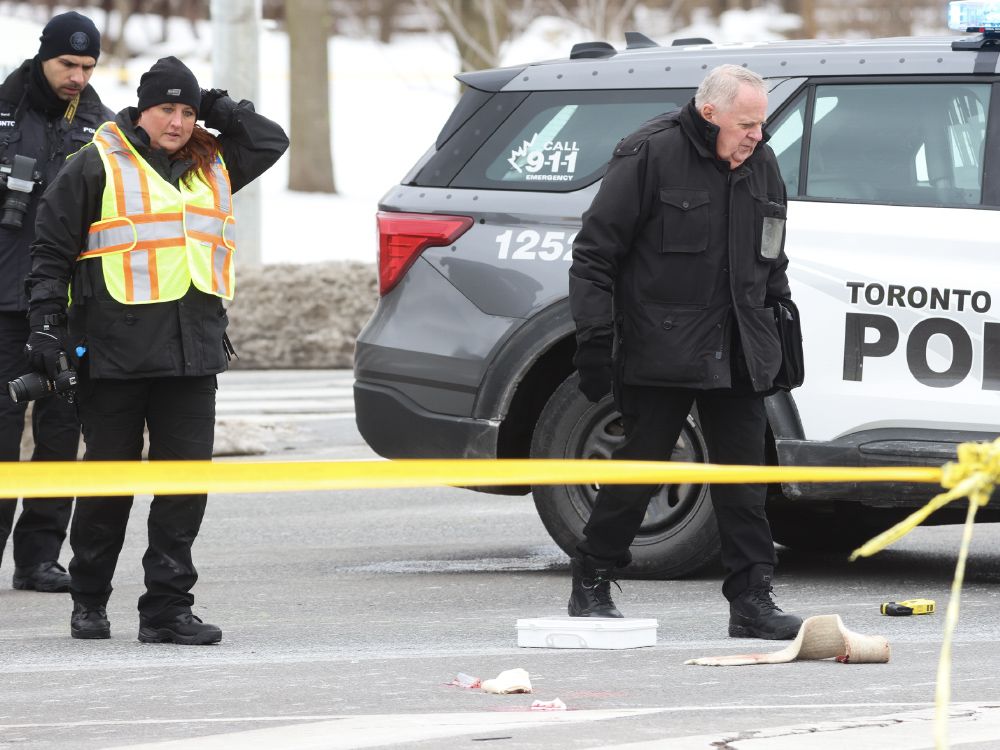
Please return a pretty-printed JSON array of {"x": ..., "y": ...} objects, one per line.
[
  {"x": 734, "y": 428},
  {"x": 180, "y": 415},
  {"x": 41, "y": 527}
]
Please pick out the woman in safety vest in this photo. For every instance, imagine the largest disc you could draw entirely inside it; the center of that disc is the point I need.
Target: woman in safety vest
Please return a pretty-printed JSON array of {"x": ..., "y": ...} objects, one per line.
[{"x": 133, "y": 256}]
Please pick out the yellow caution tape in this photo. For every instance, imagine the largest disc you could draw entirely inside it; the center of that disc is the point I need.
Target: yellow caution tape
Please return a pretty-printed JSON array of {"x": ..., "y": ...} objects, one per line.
[
  {"x": 974, "y": 476},
  {"x": 106, "y": 478}
]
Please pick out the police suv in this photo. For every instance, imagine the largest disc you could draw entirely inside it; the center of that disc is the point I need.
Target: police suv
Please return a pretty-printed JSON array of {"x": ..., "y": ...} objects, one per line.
[{"x": 890, "y": 149}]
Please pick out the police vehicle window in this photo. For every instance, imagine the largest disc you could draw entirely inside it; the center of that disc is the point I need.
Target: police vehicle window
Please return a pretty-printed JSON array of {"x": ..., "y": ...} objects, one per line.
[
  {"x": 561, "y": 141},
  {"x": 786, "y": 141},
  {"x": 909, "y": 144}
]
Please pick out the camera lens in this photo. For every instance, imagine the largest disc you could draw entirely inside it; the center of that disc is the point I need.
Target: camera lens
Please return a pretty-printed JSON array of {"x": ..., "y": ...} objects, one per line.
[
  {"x": 13, "y": 210},
  {"x": 28, "y": 387}
]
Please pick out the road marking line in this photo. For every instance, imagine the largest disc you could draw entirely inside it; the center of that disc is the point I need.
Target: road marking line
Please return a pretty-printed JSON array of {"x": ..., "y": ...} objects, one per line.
[
  {"x": 345, "y": 732},
  {"x": 290, "y": 394},
  {"x": 280, "y": 419},
  {"x": 914, "y": 730},
  {"x": 727, "y": 707}
]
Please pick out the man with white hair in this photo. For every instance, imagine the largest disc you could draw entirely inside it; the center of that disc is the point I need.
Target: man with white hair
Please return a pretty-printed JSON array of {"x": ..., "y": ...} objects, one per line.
[{"x": 678, "y": 257}]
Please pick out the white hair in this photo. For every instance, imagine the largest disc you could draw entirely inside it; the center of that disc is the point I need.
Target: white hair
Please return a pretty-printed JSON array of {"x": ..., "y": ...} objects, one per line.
[{"x": 722, "y": 85}]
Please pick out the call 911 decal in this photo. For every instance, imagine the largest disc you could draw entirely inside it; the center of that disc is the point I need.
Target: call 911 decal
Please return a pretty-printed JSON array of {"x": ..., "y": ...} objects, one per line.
[
  {"x": 868, "y": 335},
  {"x": 529, "y": 244},
  {"x": 544, "y": 160}
]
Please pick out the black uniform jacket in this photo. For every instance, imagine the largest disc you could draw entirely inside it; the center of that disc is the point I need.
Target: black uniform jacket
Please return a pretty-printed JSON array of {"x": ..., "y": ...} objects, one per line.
[
  {"x": 162, "y": 339},
  {"x": 27, "y": 128},
  {"x": 675, "y": 251}
]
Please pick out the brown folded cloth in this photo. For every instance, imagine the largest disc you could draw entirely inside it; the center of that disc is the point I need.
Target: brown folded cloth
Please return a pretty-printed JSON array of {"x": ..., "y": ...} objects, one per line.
[{"x": 820, "y": 637}]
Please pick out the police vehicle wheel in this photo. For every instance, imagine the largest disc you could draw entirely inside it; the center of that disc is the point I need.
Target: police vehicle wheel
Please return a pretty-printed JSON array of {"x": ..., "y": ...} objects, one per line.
[{"x": 678, "y": 535}]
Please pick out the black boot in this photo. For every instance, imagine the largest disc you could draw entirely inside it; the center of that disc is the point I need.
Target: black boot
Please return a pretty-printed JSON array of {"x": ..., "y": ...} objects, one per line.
[
  {"x": 89, "y": 621},
  {"x": 591, "y": 595},
  {"x": 186, "y": 629},
  {"x": 753, "y": 614},
  {"x": 48, "y": 576}
]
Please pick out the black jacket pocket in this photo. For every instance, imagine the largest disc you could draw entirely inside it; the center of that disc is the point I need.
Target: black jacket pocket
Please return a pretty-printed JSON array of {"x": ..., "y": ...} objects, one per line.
[{"x": 686, "y": 221}]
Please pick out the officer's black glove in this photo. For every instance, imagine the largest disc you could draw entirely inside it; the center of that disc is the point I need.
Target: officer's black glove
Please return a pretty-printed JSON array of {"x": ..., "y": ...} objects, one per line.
[
  {"x": 593, "y": 362},
  {"x": 216, "y": 108},
  {"x": 45, "y": 343}
]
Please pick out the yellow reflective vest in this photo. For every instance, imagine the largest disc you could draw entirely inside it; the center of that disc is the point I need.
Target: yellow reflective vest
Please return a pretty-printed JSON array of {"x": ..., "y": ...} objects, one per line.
[{"x": 155, "y": 240}]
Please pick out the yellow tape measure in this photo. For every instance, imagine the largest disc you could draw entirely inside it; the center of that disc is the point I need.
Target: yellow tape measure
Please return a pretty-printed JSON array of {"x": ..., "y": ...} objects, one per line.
[{"x": 908, "y": 607}]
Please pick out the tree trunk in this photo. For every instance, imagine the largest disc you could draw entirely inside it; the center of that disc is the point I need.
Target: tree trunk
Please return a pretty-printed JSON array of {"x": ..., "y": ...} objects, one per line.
[
  {"x": 387, "y": 10},
  {"x": 163, "y": 9},
  {"x": 119, "y": 48},
  {"x": 484, "y": 26},
  {"x": 806, "y": 9},
  {"x": 311, "y": 159}
]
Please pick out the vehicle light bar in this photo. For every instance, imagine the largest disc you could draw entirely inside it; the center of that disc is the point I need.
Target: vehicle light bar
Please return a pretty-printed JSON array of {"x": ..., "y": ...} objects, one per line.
[{"x": 969, "y": 15}]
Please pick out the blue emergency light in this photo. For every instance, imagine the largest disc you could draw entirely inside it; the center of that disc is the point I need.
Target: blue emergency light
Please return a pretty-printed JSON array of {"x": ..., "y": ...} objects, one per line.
[{"x": 969, "y": 15}]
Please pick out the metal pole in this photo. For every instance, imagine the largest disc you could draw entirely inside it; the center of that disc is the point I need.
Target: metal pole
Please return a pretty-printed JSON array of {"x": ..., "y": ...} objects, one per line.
[{"x": 236, "y": 67}]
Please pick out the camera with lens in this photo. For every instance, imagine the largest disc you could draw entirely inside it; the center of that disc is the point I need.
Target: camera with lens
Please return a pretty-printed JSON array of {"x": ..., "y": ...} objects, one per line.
[
  {"x": 17, "y": 182},
  {"x": 35, "y": 385}
]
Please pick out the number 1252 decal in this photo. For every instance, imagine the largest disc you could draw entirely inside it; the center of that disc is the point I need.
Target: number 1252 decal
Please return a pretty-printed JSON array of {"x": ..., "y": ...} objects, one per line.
[{"x": 529, "y": 244}]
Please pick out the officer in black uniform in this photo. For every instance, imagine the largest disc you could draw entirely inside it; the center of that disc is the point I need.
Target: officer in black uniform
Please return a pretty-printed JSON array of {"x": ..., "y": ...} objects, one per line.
[
  {"x": 47, "y": 111},
  {"x": 677, "y": 255}
]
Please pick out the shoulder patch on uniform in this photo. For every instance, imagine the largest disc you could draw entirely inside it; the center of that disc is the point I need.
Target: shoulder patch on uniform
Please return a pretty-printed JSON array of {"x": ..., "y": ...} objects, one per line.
[{"x": 633, "y": 143}]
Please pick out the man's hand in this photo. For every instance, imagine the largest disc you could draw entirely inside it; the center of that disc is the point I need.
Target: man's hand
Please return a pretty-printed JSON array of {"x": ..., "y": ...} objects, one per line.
[
  {"x": 593, "y": 362},
  {"x": 45, "y": 344}
]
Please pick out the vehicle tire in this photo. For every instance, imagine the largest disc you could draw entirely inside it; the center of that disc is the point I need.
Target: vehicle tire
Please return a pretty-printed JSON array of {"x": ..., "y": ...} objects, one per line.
[{"x": 679, "y": 534}]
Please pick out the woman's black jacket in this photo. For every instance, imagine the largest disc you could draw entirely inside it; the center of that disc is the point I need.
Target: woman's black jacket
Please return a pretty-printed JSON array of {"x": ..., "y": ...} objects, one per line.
[{"x": 179, "y": 338}]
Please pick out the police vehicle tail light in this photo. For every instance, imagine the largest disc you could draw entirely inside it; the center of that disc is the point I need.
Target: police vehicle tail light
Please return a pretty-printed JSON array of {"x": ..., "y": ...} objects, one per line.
[
  {"x": 969, "y": 15},
  {"x": 402, "y": 237}
]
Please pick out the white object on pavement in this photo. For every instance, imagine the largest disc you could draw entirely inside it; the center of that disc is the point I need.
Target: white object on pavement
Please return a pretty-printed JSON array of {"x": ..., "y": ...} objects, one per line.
[
  {"x": 509, "y": 681},
  {"x": 586, "y": 632}
]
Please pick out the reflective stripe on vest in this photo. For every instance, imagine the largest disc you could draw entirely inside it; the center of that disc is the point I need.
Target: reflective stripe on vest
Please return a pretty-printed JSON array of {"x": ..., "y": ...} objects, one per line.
[{"x": 155, "y": 240}]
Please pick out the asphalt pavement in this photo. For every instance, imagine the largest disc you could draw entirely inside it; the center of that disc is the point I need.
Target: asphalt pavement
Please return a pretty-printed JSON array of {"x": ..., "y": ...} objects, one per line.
[{"x": 346, "y": 614}]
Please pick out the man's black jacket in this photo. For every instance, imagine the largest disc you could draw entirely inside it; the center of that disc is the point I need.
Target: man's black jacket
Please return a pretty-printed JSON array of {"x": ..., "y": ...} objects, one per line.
[
  {"x": 670, "y": 258},
  {"x": 45, "y": 136},
  {"x": 164, "y": 339}
]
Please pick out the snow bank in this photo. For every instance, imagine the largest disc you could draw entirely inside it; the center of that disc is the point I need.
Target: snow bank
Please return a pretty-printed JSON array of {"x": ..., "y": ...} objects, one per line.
[{"x": 300, "y": 315}]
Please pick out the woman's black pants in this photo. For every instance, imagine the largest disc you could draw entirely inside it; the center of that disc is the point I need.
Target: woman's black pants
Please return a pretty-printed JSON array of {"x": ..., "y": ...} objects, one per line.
[{"x": 180, "y": 415}]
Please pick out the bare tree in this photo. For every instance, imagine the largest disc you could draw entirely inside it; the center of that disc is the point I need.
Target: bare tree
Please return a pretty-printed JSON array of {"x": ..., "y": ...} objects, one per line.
[
  {"x": 311, "y": 160},
  {"x": 480, "y": 27},
  {"x": 806, "y": 10},
  {"x": 378, "y": 16},
  {"x": 607, "y": 20},
  {"x": 119, "y": 48},
  {"x": 386, "y": 15}
]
